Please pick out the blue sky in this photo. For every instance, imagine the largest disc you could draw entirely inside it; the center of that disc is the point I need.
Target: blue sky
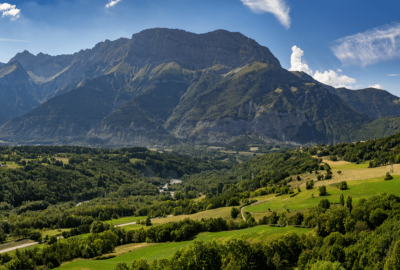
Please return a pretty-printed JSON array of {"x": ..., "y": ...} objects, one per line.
[{"x": 340, "y": 42}]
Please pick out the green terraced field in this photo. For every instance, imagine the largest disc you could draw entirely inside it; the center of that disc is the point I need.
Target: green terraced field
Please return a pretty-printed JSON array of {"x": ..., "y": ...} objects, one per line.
[
  {"x": 357, "y": 189},
  {"x": 157, "y": 251}
]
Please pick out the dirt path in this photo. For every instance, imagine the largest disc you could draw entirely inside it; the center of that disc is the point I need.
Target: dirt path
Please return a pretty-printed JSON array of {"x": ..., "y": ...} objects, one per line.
[
  {"x": 132, "y": 223},
  {"x": 18, "y": 247}
]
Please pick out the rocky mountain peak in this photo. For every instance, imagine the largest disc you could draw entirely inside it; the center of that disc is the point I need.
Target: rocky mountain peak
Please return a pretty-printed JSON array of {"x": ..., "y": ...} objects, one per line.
[{"x": 196, "y": 51}]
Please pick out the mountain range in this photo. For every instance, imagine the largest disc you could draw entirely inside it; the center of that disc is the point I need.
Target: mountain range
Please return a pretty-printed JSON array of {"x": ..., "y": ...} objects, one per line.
[{"x": 165, "y": 86}]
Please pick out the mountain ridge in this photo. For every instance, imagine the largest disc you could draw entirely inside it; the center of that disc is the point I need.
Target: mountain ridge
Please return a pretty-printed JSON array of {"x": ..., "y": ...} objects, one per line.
[{"x": 168, "y": 86}]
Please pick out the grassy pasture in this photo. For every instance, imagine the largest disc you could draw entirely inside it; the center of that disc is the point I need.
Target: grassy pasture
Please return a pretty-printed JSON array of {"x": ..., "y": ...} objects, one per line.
[
  {"x": 357, "y": 189},
  {"x": 349, "y": 172},
  {"x": 125, "y": 220},
  {"x": 224, "y": 212},
  {"x": 157, "y": 251}
]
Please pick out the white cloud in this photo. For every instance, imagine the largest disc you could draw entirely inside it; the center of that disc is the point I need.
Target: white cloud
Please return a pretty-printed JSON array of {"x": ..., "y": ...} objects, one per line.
[
  {"x": 10, "y": 10},
  {"x": 297, "y": 63},
  {"x": 276, "y": 7},
  {"x": 112, "y": 3},
  {"x": 6, "y": 6},
  {"x": 393, "y": 75},
  {"x": 335, "y": 79},
  {"x": 376, "y": 86},
  {"x": 373, "y": 46}
]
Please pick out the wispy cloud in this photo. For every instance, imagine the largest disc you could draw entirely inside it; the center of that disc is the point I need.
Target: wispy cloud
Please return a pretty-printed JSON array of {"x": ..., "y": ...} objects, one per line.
[
  {"x": 10, "y": 10},
  {"x": 373, "y": 46},
  {"x": 393, "y": 75},
  {"x": 12, "y": 40},
  {"x": 333, "y": 78},
  {"x": 112, "y": 3},
  {"x": 277, "y": 7}
]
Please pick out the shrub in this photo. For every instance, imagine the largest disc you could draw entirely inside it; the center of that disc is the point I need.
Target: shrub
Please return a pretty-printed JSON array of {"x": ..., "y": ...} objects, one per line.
[
  {"x": 322, "y": 191},
  {"x": 235, "y": 212},
  {"x": 343, "y": 185},
  {"x": 52, "y": 240},
  {"x": 35, "y": 236},
  {"x": 388, "y": 176}
]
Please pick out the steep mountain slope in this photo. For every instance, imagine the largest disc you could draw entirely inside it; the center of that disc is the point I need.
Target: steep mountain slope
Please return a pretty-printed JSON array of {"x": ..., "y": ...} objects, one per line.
[
  {"x": 379, "y": 128},
  {"x": 133, "y": 57},
  {"x": 376, "y": 103},
  {"x": 268, "y": 101},
  {"x": 69, "y": 115},
  {"x": 1, "y": 64},
  {"x": 16, "y": 92}
]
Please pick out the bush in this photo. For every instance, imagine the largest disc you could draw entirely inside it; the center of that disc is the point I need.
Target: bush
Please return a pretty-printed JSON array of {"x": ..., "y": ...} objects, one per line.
[
  {"x": 35, "y": 236},
  {"x": 322, "y": 191},
  {"x": 343, "y": 185},
  {"x": 388, "y": 176},
  {"x": 235, "y": 212},
  {"x": 52, "y": 240}
]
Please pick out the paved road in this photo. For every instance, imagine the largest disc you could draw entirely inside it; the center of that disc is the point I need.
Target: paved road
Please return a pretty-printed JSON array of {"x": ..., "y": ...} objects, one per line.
[{"x": 18, "y": 247}]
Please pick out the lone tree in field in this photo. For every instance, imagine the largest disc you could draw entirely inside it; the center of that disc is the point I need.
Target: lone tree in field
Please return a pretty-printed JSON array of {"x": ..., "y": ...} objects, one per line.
[
  {"x": 322, "y": 191},
  {"x": 343, "y": 185},
  {"x": 388, "y": 176},
  {"x": 339, "y": 172}
]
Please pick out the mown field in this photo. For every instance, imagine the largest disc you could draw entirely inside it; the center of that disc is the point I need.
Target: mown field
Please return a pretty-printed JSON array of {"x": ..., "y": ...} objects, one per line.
[{"x": 166, "y": 250}]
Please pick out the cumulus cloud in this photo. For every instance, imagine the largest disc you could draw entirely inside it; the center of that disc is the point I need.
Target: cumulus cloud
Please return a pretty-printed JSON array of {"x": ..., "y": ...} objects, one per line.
[
  {"x": 112, "y": 3},
  {"x": 10, "y": 10},
  {"x": 333, "y": 78},
  {"x": 297, "y": 63},
  {"x": 377, "y": 86},
  {"x": 373, "y": 46},
  {"x": 276, "y": 7}
]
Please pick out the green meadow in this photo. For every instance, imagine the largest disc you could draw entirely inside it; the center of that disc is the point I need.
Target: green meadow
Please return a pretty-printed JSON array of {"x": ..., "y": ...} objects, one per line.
[
  {"x": 304, "y": 200},
  {"x": 166, "y": 250}
]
